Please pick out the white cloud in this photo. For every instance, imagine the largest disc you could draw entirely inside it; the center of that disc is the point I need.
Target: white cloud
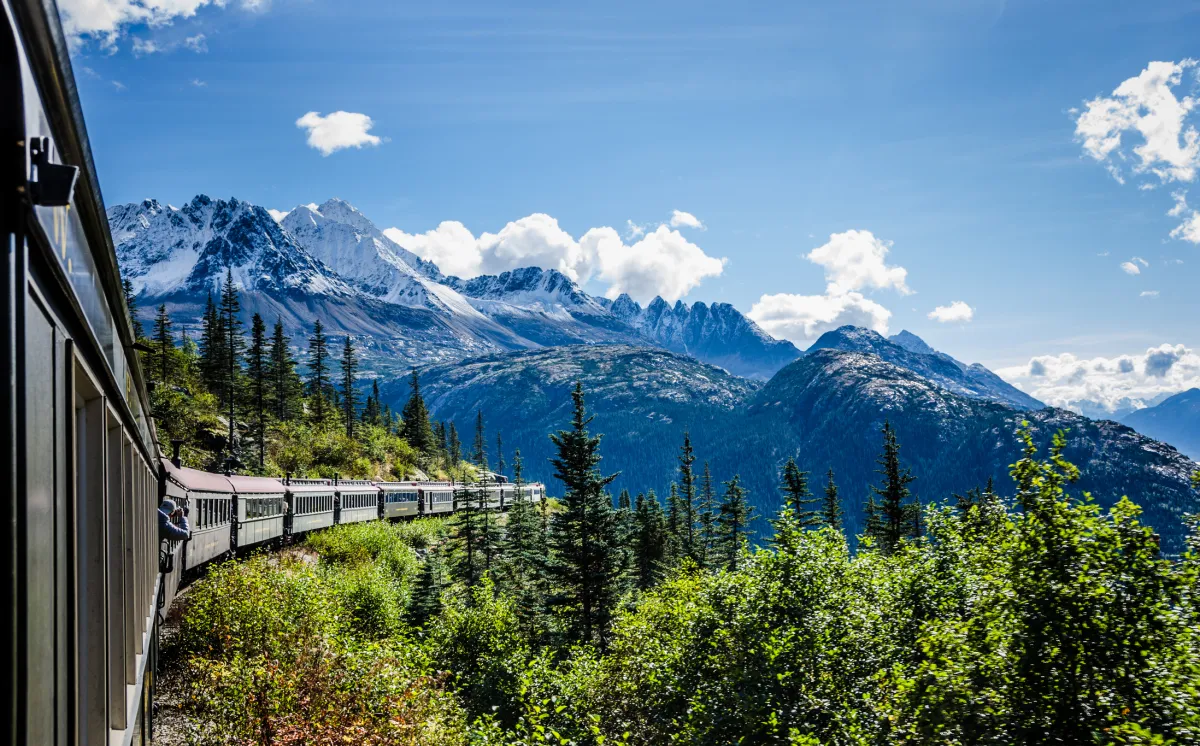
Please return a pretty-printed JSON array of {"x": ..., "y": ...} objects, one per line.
[
  {"x": 803, "y": 318},
  {"x": 106, "y": 21},
  {"x": 278, "y": 215},
  {"x": 197, "y": 43},
  {"x": 633, "y": 230},
  {"x": 681, "y": 219},
  {"x": 1130, "y": 268},
  {"x": 1141, "y": 261},
  {"x": 198, "y": 83},
  {"x": 118, "y": 85},
  {"x": 1189, "y": 228},
  {"x": 1127, "y": 380},
  {"x": 660, "y": 263},
  {"x": 956, "y": 311},
  {"x": 337, "y": 131},
  {"x": 142, "y": 47},
  {"x": 1148, "y": 294},
  {"x": 855, "y": 260},
  {"x": 1147, "y": 105}
]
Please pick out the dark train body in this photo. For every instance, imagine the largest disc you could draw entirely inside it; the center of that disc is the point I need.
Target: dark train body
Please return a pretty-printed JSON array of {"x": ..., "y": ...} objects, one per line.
[{"x": 84, "y": 578}]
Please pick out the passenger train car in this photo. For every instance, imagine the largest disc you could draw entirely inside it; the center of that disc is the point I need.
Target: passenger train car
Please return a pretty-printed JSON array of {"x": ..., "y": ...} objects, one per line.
[{"x": 84, "y": 577}]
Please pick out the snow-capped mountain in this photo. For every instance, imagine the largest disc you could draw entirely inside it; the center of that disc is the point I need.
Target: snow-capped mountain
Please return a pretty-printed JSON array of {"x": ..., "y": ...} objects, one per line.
[{"x": 330, "y": 261}]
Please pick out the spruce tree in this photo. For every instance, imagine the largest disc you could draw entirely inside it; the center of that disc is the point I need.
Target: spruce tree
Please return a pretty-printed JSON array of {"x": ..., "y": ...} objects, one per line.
[
  {"x": 318, "y": 371},
  {"x": 732, "y": 522},
  {"x": 707, "y": 516},
  {"x": 257, "y": 362},
  {"x": 372, "y": 412},
  {"x": 479, "y": 449},
  {"x": 873, "y": 527},
  {"x": 524, "y": 552},
  {"x": 131, "y": 306},
  {"x": 466, "y": 536},
  {"x": 499, "y": 454},
  {"x": 281, "y": 371},
  {"x": 164, "y": 340},
  {"x": 649, "y": 541},
  {"x": 831, "y": 506},
  {"x": 416, "y": 429},
  {"x": 212, "y": 349},
  {"x": 585, "y": 561},
  {"x": 439, "y": 438},
  {"x": 627, "y": 533},
  {"x": 229, "y": 308},
  {"x": 427, "y": 595},
  {"x": 349, "y": 397},
  {"x": 898, "y": 517},
  {"x": 453, "y": 449},
  {"x": 796, "y": 514},
  {"x": 687, "y": 500},
  {"x": 674, "y": 548}
]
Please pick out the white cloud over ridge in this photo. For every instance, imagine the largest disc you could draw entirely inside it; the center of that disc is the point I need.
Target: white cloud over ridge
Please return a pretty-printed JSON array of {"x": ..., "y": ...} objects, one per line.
[
  {"x": 337, "y": 131},
  {"x": 1127, "y": 380},
  {"x": 1144, "y": 106},
  {"x": 958, "y": 311},
  {"x": 856, "y": 260},
  {"x": 803, "y": 318},
  {"x": 660, "y": 262},
  {"x": 853, "y": 261}
]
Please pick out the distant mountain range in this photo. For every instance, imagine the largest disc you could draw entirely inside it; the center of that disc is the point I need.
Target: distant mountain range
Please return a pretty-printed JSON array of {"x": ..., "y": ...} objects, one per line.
[
  {"x": 1175, "y": 420},
  {"x": 330, "y": 261},
  {"x": 825, "y": 409}
]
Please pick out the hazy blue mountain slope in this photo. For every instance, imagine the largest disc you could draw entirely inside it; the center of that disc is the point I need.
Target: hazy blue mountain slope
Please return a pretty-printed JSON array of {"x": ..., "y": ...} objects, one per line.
[{"x": 1175, "y": 420}]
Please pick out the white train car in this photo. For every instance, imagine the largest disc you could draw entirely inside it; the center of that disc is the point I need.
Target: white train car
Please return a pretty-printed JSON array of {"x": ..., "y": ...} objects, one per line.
[
  {"x": 209, "y": 499},
  {"x": 310, "y": 504},
  {"x": 358, "y": 500},
  {"x": 436, "y": 498},
  {"x": 400, "y": 499},
  {"x": 258, "y": 510}
]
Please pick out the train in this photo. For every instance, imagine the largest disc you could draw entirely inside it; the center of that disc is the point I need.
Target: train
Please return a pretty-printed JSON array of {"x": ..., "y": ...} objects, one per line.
[
  {"x": 84, "y": 577},
  {"x": 231, "y": 514}
]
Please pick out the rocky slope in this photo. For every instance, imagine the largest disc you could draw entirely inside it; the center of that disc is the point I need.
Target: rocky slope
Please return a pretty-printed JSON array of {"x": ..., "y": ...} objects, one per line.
[{"x": 910, "y": 352}]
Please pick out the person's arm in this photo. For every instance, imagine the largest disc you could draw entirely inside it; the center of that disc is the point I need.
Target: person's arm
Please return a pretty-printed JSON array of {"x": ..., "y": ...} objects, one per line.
[{"x": 168, "y": 530}]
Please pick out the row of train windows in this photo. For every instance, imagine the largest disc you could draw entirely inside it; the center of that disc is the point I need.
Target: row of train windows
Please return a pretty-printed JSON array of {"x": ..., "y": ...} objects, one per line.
[
  {"x": 303, "y": 504},
  {"x": 262, "y": 507},
  {"x": 442, "y": 497},
  {"x": 401, "y": 497},
  {"x": 360, "y": 501},
  {"x": 209, "y": 512}
]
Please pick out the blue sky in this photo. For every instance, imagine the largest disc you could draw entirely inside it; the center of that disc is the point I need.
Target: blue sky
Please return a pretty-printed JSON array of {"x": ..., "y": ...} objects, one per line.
[{"x": 942, "y": 131}]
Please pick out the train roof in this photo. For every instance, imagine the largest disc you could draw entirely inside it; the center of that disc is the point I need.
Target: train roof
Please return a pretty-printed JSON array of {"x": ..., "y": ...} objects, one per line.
[
  {"x": 309, "y": 487},
  {"x": 244, "y": 485},
  {"x": 195, "y": 480}
]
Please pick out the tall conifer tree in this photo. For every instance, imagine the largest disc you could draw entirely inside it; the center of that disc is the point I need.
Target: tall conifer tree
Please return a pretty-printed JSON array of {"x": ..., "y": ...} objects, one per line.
[
  {"x": 585, "y": 561},
  {"x": 687, "y": 500},
  {"x": 831, "y": 506},
  {"x": 898, "y": 518},
  {"x": 131, "y": 306},
  {"x": 479, "y": 449},
  {"x": 733, "y": 521},
  {"x": 649, "y": 540},
  {"x": 164, "y": 340},
  {"x": 212, "y": 349},
  {"x": 318, "y": 372},
  {"x": 349, "y": 396},
  {"x": 453, "y": 449},
  {"x": 257, "y": 362},
  {"x": 707, "y": 516},
  {"x": 281, "y": 371},
  {"x": 416, "y": 428},
  {"x": 230, "y": 307}
]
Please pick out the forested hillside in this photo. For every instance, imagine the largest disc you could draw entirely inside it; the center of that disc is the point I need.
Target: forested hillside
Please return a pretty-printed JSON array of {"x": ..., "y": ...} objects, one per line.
[{"x": 825, "y": 410}]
